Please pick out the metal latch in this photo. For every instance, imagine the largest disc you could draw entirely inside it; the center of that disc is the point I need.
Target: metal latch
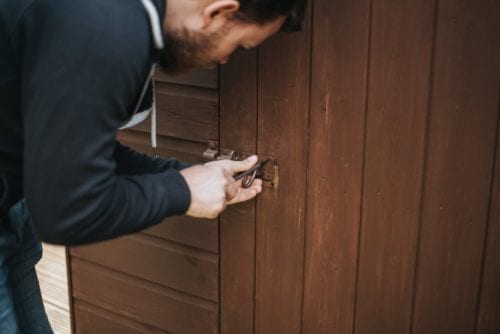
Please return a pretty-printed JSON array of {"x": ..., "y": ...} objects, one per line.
[{"x": 266, "y": 169}]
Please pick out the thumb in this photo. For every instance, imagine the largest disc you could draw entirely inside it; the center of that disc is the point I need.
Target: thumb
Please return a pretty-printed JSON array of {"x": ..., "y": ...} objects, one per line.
[{"x": 244, "y": 165}]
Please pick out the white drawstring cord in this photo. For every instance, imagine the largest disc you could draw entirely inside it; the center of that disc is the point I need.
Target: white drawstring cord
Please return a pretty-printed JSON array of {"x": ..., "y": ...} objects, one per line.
[
  {"x": 156, "y": 28},
  {"x": 154, "y": 142},
  {"x": 155, "y": 23}
]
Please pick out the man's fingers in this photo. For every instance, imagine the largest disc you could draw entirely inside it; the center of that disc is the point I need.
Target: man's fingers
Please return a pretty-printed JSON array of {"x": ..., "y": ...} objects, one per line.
[
  {"x": 231, "y": 189},
  {"x": 247, "y": 194},
  {"x": 244, "y": 165}
]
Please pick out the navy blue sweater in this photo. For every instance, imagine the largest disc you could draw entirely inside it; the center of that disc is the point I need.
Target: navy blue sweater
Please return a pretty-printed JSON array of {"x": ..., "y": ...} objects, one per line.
[{"x": 71, "y": 73}]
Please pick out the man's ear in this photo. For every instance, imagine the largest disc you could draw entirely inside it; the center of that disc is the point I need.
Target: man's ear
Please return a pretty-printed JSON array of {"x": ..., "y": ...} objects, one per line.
[{"x": 219, "y": 8}]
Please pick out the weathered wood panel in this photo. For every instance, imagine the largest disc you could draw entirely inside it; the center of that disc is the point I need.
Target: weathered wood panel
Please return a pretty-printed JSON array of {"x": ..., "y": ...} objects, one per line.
[
  {"x": 340, "y": 61},
  {"x": 238, "y": 119},
  {"x": 142, "y": 301},
  {"x": 462, "y": 138},
  {"x": 400, "y": 66},
  {"x": 182, "y": 268},
  {"x": 283, "y": 102}
]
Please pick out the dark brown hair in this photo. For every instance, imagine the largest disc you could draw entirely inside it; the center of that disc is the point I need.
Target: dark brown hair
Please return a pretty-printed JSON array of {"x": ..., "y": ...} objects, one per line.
[{"x": 263, "y": 11}]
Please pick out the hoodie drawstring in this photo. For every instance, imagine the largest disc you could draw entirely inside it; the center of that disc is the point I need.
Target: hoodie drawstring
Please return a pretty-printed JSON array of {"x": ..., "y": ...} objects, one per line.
[
  {"x": 154, "y": 141},
  {"x": 156, "y": 29}
]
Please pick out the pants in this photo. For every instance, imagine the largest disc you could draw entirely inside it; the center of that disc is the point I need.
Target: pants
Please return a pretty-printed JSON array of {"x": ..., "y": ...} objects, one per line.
[{"x": 21, "y": 305}]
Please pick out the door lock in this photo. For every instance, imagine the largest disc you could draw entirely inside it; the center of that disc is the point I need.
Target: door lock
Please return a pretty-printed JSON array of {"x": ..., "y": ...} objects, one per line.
[{"x": 266, "y": 169}]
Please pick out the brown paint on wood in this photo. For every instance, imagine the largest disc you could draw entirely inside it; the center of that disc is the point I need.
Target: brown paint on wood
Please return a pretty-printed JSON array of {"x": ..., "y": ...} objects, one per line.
[
  {"x": 126, "y": 296},
  {"x": 203, "y": 78},
  {"x": 182, "y": 268},
  {"x": 283, "y": 93},
  {"x": 185, "y": 113},
  {"x": 92, "y": 319},
  {"x": 335, "y": 168},
  {"x": 186, "y": 151},
  {"x": 459, "y": 167},
  {"x": 238, "y": 121},
  {"x": 400, "y": 66},
  {"x": 199, "y": 233},
  {"x": 488, "y": 321}
]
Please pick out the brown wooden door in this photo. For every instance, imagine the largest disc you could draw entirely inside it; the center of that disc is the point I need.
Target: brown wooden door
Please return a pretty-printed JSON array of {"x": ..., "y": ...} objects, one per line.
[{"x": 383, "y": 117}]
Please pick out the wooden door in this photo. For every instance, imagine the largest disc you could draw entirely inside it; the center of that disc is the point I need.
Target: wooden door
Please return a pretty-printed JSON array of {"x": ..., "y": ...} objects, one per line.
[{"x": 383, "y": 118}]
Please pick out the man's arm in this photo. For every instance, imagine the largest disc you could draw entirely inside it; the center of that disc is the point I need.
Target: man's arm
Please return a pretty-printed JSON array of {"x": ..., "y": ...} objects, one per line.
[
  {"x": 130, "y": 162},
  {"x": 83, "y": 67}
]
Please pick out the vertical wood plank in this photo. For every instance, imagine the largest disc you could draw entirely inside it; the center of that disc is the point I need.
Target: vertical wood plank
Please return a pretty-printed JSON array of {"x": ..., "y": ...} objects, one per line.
[
  {"x": 489, "y": 307},
  {"x": 238, "y": 121},
  {"x": 340, "y": 60},
  {"x": 459, "y": 168},
  {"x": 284, "y": 75},
  {"x": 400, "y": 65}
]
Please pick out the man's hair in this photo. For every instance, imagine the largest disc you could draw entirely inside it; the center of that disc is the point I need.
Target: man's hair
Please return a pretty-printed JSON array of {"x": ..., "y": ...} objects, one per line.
[{"x": 263, "y": 11}]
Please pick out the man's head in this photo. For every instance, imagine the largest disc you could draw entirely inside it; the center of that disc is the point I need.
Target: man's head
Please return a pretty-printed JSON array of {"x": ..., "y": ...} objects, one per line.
[{"x": 203, "y": 33}]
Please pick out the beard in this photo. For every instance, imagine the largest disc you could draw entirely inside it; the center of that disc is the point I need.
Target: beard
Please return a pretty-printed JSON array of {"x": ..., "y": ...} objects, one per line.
[{"x": 184, "y": 51}]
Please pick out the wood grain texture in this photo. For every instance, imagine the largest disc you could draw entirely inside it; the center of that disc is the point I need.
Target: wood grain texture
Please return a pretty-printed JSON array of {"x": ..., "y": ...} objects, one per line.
[
  {"x": 400, "y": 66},
  {"x": 462, "y": 138},
  {"x": 488, "y": 321},
  {"x": 203, "y": 78},
  {"x": 182, "y": 268},
  {"x": 125, "y": 295},
  {"x": 283, "y": 93},
  {"x": 185, "y": 151},
  {"x": 52, "y": 276},
  {"x": 198, "y": 233},
  {"x": 340, "y": 61},
  {"x": 92, "y": 319},
  {"x": 185, "y": 113},
  {"x": 238, "y": 121}
]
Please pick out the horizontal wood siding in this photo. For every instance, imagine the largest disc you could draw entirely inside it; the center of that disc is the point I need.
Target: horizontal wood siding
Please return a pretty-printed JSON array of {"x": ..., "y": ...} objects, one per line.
[
  {"x": 142, "y": 301},
  {"x": 185, "y": 113},
  {"x": 192, "y": 271}
]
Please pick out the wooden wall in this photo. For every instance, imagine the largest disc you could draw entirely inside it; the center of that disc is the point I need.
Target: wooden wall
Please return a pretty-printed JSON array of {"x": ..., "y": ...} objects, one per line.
[{"x": 384, "y": 119}]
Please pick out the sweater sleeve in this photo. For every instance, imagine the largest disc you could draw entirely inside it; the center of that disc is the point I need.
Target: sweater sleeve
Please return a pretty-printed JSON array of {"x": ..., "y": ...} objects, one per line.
[
  {"x": 130, "y": 162},
  {"x": 84, "y": 63}
]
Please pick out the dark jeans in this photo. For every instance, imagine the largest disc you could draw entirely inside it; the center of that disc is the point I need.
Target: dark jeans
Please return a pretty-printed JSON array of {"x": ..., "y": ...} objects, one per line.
[{"x": 21, "y": 305}]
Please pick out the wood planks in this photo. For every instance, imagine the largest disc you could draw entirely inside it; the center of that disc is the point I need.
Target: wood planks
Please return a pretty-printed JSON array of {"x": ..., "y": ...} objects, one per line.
[
  {"x": 489, "y": 307},
  {"x": 283, "y": 102},
  {"x": 178, "y": 267},
  {"x": 238, "y": 119},
  {"x": 383, "y": 117},
  {"x": 52, "y": 276},
  {"x": 125, "y": 296},
  {"x": 460, "y": 157},
  {"x": 398, "y": 90},
  {"x": 335, "y": 165}
]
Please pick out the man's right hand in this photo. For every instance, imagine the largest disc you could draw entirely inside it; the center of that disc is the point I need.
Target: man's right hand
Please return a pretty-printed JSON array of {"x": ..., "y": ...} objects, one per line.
[{"x": 213, "y": 187}]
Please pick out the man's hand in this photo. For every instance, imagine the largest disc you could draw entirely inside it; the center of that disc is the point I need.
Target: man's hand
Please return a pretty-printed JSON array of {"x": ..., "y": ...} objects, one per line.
[{"x": 213, "y": 187}]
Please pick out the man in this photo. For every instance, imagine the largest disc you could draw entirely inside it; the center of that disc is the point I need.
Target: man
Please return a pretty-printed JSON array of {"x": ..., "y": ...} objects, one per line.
[{"x": 71, "y": 74}]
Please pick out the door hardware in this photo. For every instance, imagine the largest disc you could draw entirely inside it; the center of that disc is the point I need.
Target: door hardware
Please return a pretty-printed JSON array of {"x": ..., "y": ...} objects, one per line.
[{"x": 266, "y": 169}]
